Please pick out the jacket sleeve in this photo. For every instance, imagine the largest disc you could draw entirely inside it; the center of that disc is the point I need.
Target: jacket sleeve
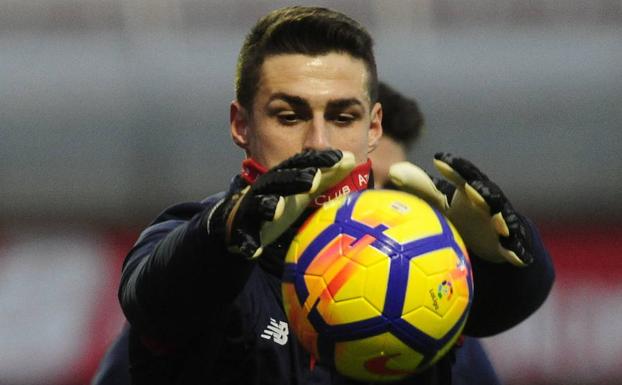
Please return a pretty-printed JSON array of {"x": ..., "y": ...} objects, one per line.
[
  {"x": 174, "y": 268},
  {"x": 506, "y": 295}
]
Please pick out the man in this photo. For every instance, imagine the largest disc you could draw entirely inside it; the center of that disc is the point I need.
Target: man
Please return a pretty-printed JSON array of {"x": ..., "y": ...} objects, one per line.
[
  {"x": 203, "y": 281},
  {"x": 402, "y": 124}
]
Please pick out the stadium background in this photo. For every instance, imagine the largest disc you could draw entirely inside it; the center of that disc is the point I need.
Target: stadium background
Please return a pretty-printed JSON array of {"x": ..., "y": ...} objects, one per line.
[{"x": 111, "y": 110}]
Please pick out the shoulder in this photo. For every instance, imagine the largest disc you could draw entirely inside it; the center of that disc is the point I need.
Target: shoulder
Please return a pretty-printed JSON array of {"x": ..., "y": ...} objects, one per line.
[
  {"x": 186, "y": 210},
  {"x": 175, "y": 215}
]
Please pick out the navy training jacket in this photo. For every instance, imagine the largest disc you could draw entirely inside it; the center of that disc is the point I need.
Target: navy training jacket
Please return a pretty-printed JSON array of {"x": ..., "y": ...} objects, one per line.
[{"x": 200, "y": 315}]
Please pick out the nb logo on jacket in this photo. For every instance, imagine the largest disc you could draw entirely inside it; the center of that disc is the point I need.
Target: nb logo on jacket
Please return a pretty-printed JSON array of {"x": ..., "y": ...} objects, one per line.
[{"x": 276, "y": 331}]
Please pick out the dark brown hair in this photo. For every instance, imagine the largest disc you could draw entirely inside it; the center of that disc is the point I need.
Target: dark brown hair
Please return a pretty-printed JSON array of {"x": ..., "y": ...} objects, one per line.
[
  {"x": 301, "y": 30},
  {"x": 402, "y": 120}
]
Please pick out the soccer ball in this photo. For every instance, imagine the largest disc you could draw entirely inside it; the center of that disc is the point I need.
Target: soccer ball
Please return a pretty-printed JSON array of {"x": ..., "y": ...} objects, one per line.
[{"x": 378, "y": 284}]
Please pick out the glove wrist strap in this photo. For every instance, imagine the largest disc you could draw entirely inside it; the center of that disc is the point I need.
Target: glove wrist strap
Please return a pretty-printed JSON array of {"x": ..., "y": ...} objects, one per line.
[{"x": 357, "y": 180}]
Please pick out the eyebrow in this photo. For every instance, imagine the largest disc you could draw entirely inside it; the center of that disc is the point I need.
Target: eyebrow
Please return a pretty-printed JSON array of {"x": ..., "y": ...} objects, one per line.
[
  {"x": 342, "y": 104},
  {"x": 297, "y": 101}
]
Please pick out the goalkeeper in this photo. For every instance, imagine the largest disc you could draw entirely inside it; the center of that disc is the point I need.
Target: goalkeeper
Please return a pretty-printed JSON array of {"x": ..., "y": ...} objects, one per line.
[{"x": 201, "y": 286}]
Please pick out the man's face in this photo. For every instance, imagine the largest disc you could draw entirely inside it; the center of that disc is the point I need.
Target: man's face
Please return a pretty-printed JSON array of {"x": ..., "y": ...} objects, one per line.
[{"x": 308, "y": 102}]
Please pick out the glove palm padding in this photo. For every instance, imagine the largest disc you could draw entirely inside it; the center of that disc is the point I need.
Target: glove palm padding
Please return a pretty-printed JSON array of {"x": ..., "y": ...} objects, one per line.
[
  {"x": 258, "y": 214},
  {"x": 484, "y": 217}
]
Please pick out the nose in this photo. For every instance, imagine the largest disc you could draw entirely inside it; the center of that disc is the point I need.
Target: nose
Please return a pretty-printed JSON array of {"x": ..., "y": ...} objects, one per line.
[{"x": 317, "y": 136}]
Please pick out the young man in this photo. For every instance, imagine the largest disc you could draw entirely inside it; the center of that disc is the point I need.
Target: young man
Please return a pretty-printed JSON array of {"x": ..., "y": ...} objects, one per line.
[
  {"x": 402, "y": 124},
  {"x": 202, "y": 283}
]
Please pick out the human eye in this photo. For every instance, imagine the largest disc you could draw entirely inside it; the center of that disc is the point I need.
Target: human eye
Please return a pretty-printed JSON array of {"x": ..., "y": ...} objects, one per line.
[
  {"x": 344, "y": 119},
  {"x": 288, "y": 118}
]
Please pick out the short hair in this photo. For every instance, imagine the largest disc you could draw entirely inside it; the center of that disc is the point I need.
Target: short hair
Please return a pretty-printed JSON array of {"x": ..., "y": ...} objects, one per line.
[
  {"x": 402, "y": 120},
  {"x": 301, "y": 30}
]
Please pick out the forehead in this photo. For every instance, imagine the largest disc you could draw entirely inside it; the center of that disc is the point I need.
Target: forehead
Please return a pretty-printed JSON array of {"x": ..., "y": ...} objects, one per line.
[{"x": 330, "y": 76}]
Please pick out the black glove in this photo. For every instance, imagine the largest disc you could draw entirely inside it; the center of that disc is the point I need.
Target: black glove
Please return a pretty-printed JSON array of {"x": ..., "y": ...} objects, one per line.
[
  {"x": 484, "y": 217},
  {"x": 257, "y": 215}
]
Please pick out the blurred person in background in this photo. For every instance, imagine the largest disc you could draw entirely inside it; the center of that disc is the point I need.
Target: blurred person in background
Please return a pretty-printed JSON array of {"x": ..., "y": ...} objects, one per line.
[
  {"x": 402, "y": 124},
  {"x": 203, "y": 280},
  {"x": 114, "y": 368}
]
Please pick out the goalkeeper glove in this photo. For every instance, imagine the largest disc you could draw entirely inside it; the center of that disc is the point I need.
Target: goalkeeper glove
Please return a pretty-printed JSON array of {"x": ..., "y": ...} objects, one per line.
[
  {"x": 257, "y": 215},
  {"x": 484, "y": 217}
]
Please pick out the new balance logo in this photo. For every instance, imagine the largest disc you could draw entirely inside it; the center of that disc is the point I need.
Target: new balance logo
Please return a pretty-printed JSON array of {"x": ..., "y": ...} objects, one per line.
[{"x": 276, "y": 331}]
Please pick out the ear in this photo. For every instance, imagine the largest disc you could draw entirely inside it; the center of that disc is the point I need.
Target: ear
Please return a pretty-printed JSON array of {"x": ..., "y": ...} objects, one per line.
[
  {"x": 238, "y": 120},
  {"x": 375, "y": 128}
]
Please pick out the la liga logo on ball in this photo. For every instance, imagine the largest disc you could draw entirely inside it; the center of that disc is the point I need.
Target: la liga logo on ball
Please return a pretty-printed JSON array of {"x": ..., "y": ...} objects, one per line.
[
  {"x": 377, "y": 284},
  {"x": 445, "y": 289}
]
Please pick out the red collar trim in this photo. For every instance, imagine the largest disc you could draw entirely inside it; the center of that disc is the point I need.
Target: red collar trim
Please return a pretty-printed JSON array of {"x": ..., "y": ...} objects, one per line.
[
  {"x": 357, "y": 180},
  {"x": 251, "y": 170}
]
